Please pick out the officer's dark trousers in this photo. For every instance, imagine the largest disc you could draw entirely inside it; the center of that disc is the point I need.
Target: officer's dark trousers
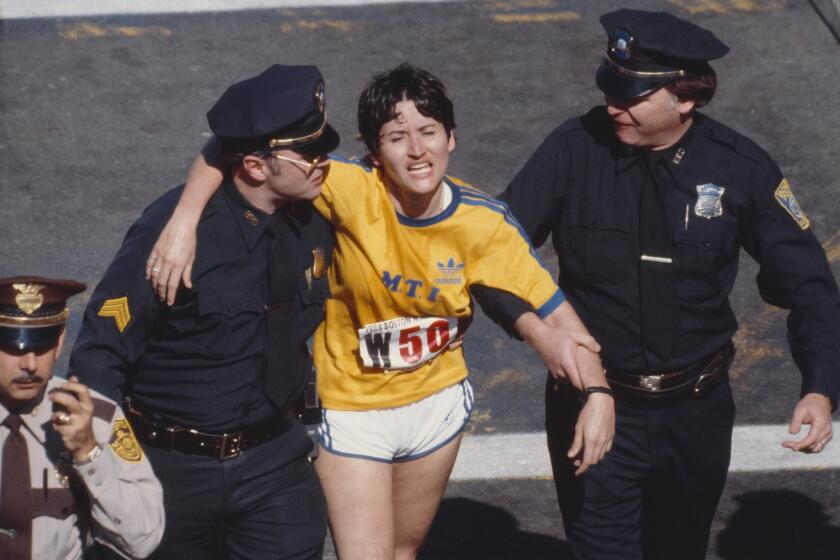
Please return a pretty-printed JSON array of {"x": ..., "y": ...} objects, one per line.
[
  {"x": 264, "y": 504},
  {"x": 654, "y": 495}
]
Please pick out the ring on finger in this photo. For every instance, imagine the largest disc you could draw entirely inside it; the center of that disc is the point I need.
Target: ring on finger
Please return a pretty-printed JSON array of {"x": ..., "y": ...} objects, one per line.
[
  {"x": 62, "y": 418},
  {"x": 155, "y": 270}
]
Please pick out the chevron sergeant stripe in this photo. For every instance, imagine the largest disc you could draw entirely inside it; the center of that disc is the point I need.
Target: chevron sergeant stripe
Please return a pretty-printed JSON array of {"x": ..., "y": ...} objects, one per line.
[{"x": 118, "y": 309}]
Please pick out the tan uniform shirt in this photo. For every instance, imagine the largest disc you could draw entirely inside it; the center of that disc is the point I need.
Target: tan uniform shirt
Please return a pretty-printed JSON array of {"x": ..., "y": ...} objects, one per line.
[{"x": 124, "y": 508}]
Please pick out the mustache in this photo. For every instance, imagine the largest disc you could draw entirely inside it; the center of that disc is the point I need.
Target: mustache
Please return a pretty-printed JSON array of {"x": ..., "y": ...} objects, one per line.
[{"x": 28, "y": 378}]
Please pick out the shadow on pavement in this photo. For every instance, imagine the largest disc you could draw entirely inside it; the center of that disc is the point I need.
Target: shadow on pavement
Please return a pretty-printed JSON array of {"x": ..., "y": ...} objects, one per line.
[
  {"x": 778, "y": 525},
  {"x": 465, "y": 529}
]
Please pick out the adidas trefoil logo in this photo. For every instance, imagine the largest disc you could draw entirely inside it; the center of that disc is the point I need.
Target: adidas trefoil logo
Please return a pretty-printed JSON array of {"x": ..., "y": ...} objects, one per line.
[{"x": 451, "y": 272}]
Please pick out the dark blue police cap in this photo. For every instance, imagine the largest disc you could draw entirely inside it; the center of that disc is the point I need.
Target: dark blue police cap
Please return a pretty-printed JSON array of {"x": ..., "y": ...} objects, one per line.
[
  {"x": 33, "y": 311},
  {"x": 281, "y": 109},
  {"x": 646, "y": 50}
]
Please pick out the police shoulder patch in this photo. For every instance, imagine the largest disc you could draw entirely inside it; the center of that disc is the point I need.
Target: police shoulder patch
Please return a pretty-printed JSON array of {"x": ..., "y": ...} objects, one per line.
[
  {"x": 118, "y": 309},
  {"x": 784, "y": 196},
  {"x": 124, "y": 442}
]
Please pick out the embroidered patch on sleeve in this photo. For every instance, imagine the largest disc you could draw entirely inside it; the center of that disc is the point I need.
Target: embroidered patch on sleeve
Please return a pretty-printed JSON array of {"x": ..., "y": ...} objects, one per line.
[
  {"x": 124, "y": 443},
  {"x": 784, "y": 196},
  {"x": 118, "y": 309}
]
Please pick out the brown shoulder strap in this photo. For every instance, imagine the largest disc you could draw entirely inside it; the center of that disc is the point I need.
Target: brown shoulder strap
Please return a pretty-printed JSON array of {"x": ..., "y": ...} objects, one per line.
[{"x": 103, "y": 409}]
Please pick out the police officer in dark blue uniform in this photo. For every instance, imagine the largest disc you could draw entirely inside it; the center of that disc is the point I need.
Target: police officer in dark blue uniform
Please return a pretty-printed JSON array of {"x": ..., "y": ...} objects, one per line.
[
  {"x": 212, "y": 382},
  {"x": 649, "y": 203}
]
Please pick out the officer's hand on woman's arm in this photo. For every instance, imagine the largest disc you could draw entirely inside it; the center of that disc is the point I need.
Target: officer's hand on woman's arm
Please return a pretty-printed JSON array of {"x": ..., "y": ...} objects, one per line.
[
  {"x": 75, "y": 422},
  {"x": 173, "y": 255},
  {"x": 815, "y": 410},
  {"x": 556, "y": 340}
]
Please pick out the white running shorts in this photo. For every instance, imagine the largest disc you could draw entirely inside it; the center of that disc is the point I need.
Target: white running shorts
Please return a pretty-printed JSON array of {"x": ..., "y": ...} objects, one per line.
[{"x": 399, "y": 434}]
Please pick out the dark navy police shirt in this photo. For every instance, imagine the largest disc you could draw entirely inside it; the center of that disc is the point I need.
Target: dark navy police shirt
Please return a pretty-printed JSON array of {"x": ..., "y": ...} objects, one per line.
[
  {"x": 581, "y": 187},
  {"x": 200, "y": 363}
]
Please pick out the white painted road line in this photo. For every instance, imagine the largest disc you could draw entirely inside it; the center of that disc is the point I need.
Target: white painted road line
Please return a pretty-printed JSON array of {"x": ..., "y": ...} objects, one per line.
[
  {"x": 754, "y": 449},
  {"x": 19, "y": 9}
]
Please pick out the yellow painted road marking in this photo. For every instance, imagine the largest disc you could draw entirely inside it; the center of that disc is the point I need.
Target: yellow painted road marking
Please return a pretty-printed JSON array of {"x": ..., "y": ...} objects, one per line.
[
  {"x": 832, "y": 248},
  {"x": 536, "y": 18},
  {"x": 724, "y": 6},
  {"x": 511, "y": 6},
  {"x": 138, "y": 31},
  {"x": 87, "y": 30},
  {"x": 84, "y": 30},
  {"x": 479, "y": 420},
  {"x": 311, "y": 25}
]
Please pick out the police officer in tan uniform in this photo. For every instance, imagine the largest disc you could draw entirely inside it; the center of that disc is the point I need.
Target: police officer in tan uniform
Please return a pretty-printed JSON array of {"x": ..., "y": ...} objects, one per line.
[{"x": 71, "y": 470}]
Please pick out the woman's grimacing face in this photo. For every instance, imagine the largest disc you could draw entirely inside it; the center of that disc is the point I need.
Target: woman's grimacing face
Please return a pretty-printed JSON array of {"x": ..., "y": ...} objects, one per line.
[{"x": 414, "y": 153}]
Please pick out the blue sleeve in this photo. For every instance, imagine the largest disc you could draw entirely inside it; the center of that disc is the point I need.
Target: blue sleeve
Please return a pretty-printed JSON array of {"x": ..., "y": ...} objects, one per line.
[
  {"x": 794, "y": 274},
  {"x": 119, "y": 318}
]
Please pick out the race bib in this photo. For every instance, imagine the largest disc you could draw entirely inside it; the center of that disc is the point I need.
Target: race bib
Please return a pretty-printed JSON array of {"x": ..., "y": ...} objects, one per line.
[{"x": 405, "y": 342}]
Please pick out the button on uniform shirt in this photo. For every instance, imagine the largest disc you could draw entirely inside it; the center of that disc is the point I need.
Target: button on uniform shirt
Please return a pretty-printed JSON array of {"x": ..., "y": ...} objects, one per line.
[
  {"x": 117, "y": 491},
  {"x": 200, "y": 363},
  {"x": 722, "y": 193}
]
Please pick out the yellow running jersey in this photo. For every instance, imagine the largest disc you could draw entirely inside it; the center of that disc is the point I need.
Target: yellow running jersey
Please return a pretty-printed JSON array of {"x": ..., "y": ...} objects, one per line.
[{"x": 400, "y": 288}]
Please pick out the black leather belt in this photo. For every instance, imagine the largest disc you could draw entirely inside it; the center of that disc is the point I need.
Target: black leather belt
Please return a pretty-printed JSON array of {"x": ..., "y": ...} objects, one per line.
[
  {"x": 696, "y": 380},
  {"x": 194, "y": 442}
]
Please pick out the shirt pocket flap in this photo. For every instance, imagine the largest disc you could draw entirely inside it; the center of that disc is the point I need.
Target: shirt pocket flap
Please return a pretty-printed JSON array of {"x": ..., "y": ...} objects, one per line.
[
  {"x": 228, "y": 304},
  {"x": 708, "y": 235},
  {"x": 589, "y": 214}
]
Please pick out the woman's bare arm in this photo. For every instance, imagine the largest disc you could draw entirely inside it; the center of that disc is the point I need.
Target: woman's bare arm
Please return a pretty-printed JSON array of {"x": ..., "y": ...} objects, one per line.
[{"x": 172, "y": 257}]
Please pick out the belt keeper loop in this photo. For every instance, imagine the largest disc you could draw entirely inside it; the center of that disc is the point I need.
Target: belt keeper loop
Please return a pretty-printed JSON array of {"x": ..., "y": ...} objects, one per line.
[
  {"x": 170, "y": 430},
  {"x": 223, "y": 447}
]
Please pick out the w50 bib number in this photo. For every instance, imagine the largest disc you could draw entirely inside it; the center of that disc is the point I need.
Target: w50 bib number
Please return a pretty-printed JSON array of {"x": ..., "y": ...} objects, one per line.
[{"x": 405, "y": 342}]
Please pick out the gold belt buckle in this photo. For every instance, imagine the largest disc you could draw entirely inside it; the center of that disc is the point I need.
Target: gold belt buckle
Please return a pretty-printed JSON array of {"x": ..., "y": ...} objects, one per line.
[
  {"x": 231, "y": 446},
  {"x": 651, "y": 382}
]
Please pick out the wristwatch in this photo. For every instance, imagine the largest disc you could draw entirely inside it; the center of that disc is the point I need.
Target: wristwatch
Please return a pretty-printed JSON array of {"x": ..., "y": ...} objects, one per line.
[
  {"x": 597, "y": 389},
  {"x": 91, "y": 456}
]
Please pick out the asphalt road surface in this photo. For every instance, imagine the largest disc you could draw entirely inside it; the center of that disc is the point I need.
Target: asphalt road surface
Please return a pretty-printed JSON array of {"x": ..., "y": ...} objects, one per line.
[{"x": 101, "y": 115}]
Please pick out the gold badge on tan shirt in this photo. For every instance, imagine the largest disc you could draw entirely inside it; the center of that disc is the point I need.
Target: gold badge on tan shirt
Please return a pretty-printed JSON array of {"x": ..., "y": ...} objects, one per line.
[
  {"x": 124, "y": 443},
  {"x": 118, "y": 309},
  {"x": 29, "y": 298}
]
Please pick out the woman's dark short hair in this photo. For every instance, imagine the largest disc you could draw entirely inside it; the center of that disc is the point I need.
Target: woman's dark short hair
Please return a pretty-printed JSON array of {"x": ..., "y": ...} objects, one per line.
[
  {"x": 403, "y": 83},
  {"x": 699, "y": 89}
]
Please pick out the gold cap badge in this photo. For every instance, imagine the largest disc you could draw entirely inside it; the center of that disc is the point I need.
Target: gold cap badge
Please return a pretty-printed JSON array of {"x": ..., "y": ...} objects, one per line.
[{"x": 29, "y": 298}]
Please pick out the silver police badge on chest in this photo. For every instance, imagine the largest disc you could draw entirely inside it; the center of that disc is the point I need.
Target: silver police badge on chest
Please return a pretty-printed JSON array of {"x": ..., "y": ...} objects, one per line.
[{"x": 708, "y": 201}]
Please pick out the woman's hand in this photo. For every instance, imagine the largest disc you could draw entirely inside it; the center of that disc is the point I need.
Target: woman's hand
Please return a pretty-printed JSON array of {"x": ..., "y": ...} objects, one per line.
[
  {"x": 172, "y": 258},
  {"x": 594, "y": 432}
]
